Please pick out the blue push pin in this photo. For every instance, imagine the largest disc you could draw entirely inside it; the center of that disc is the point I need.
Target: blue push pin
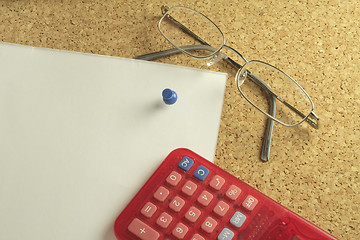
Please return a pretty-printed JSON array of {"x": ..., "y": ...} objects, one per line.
[{"x": 169, "y": 96}]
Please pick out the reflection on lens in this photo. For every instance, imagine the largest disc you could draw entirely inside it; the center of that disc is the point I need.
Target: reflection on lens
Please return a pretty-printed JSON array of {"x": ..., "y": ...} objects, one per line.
[
  {"x": 198, "y": 24},
  {"x": 258, "y": 82}
]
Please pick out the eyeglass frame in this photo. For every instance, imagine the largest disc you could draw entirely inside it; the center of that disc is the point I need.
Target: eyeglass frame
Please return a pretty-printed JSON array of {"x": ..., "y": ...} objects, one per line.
[{"x": 217, "y": 55}]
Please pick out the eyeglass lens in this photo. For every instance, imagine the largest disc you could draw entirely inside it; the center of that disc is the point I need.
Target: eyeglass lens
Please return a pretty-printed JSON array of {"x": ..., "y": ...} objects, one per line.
[
  {"x": 280, "y": 85},
  {"x": 196, "y": 23}
]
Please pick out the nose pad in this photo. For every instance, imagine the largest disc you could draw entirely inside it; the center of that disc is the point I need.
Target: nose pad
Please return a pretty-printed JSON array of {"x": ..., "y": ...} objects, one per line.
[
  {"x": 216, "y": 58},
  {"x": 241, "y": 77}
]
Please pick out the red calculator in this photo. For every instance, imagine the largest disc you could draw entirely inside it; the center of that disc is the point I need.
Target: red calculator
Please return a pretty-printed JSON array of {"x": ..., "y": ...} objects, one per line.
[{"x": 190, "y": 198}]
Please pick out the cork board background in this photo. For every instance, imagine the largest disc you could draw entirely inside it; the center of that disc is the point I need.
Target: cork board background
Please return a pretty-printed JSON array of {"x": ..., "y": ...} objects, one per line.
[{"x": 315, "y": 173}]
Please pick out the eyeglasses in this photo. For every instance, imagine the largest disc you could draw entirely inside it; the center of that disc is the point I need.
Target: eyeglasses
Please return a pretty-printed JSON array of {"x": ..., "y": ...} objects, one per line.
[{"x": 267, "y": 88}]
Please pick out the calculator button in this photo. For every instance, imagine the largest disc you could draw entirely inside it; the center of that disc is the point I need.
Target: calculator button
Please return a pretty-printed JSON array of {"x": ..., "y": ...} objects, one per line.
[
  {"x": 143, "y": 231},
  {"x": 226, "y": 234},
  {"x": 193, "y": 214},
  {"x": 197, "y": 237},
  {"x": 217, "y": 182},
  {"x": 221, "y": 208},
  {"x": 173, "y": 179},
  {"x": 189, "y": 188},
  {"x": 164, "y": 220},
  {"x": 250, "y": 202},
  {"x": 186, "y": 163},
  {"x": 205, "y": 198},
  {"x": 238, "y": 219},
  {"x": 177, "y": 204},
  {"x": 201, "y": 173},
  {"x": 180, "y": 231},
  {"x": 148, "y": 210},
  {"x": 161, "y": 194},
  {"x": 233, "y": 192},
  {"x": 209, "y": 225}
]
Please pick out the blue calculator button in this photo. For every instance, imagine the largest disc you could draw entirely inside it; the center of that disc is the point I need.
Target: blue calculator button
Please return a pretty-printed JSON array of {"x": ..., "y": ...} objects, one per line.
[
  {"x": 186, "y": 163},
  {"x": 201, "y": 173}
]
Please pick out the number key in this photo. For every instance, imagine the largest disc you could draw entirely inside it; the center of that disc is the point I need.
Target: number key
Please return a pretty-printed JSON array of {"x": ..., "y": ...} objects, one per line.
[
  {"x": 164, "y": 220},
  {"x": 193, "y": 214},
  {"x": 180, "y": 231},
  {"x": 177, "y": 204},
  {"x": 221, "y": 208},
  {"x": 205, "y": 198},
  {"x": 189, "y": 188},
  {"x": 209, "y": 225},
  {"x": 173, "y": 179}
]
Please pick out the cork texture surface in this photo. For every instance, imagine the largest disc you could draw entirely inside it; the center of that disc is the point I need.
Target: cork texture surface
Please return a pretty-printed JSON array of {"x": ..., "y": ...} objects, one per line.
[{"x": 313, "y": 172}]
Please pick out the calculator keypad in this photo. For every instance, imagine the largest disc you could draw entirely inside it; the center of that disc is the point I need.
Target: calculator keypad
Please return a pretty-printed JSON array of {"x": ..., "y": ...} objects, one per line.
[
  {"x": 188, "y": 186},
  {"x": 190, "y": 198}
]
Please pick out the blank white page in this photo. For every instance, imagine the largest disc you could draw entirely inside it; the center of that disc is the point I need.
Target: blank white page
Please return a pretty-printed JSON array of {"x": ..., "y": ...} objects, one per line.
[{"x": 80, "y": 134}]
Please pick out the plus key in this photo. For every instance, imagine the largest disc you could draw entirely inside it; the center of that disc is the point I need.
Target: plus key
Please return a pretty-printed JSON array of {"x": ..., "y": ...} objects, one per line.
[{"x": 143, "y": 231}]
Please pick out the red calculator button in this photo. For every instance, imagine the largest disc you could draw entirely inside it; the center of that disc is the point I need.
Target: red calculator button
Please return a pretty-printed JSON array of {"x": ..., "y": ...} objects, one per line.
[
  {"x": 164, "y": 220},
  {"x": 189, "y": 188},
  {"x": 177, "y": 204},
  {"x": 205, "y": 198},
  {"x": 209, "y": 225},
  {"x": 180, "y": 231},
  {"x": 193, "y": 214},
  {"x": 217, "y": 182},
  {"x": 174, "y": 178},
  {"x": 148, "y": 210},
  {"x": 250, "y": 202},
  {"x": 221, "y": 208},
  {"x": 233, "y": 192},
  {"x": 143, "y": 231},
  {"x": 161, "y": 194},
  {"x": 197, "y": 237}
]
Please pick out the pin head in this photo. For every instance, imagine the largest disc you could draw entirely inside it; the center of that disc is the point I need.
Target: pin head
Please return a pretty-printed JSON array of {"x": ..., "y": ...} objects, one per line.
[{"x": 169, "y": 96}]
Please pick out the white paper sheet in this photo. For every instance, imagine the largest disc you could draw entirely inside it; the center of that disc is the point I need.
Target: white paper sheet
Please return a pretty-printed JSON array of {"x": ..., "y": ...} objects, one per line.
[{"x": 80, "y": 134}]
